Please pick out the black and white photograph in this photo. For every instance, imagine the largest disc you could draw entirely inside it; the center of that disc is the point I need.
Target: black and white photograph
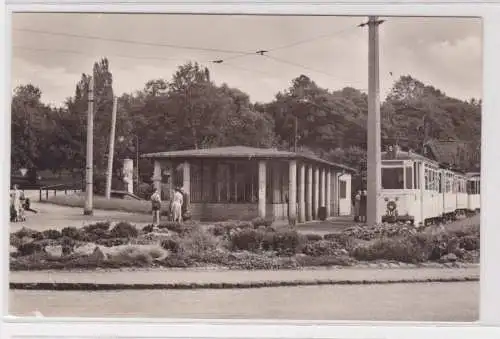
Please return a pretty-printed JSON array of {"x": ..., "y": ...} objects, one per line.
[{"x": 245, "y": 166}]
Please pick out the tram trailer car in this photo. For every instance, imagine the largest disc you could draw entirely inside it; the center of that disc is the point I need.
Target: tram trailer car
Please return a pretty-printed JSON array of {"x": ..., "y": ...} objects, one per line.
[{"x": 418, "y": 190}]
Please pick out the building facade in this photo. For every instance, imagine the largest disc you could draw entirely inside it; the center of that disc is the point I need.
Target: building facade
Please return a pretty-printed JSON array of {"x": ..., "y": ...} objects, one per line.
[{"x": 244, "y": 182}]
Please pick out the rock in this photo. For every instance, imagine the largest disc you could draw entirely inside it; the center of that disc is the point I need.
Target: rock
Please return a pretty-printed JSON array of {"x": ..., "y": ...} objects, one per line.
[
  {"x": 86, "y": 249},
  {"x": 447, "y": 258},
  {"x": 97, "y": 255},
  {"x": 54, "y": 250},
  {"x": 393, "y": 265}
]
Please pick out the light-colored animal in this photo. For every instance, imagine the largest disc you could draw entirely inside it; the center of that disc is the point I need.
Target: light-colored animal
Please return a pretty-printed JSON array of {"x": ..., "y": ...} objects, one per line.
[{"x": 177, "y": 202}]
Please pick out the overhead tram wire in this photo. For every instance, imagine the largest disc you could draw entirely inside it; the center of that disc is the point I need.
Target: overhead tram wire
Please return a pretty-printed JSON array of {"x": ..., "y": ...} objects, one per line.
[
  {"x": 135, "y": 42},
  {"x": 293, "y": 44}
]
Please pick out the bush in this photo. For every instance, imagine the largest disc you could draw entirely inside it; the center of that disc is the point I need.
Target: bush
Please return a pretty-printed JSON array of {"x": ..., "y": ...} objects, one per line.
[
  {"x": 198, "y": 242},
  {"x": 112, "y": 242},
  {"x": 29, "y": 248},
  {"x": 470, "y": 243},
  {"x": 172, "y": 226},
  {"x": 287, "y": 242},
  {"x": 124, "y": 230},
  {"x": 15, "y": 241},
  {"x": 26, "y": 232},
  {"x": 148, "y": 228},
  {"x": 409, "y": 249},
  {"x": 171, "y": 245},
  {"x": 321, "y": 248},
  {"x": 98, "y": 227},
  {"x": 247, "y": 240},
  {"x": 51, "y": 234},
  {"x": 256, "y": 222},
  {"x": 71, "y": 232},
  {"x": 313, "y": 237}
]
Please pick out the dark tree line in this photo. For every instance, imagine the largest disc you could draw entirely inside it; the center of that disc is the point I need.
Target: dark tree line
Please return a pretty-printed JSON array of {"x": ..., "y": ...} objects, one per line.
[{"x": 191, "y": 111}]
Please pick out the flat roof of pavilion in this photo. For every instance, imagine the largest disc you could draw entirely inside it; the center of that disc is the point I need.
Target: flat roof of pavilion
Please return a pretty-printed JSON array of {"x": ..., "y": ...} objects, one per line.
[{"x": 242, "y": 152}]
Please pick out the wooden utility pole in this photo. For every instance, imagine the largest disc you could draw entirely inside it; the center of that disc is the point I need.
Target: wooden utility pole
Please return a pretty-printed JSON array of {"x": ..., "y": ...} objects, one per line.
[
  {"x": 111, "y": 149},
  {"x": 373, "y": 182},
  {"x": 89, "y": 188}
]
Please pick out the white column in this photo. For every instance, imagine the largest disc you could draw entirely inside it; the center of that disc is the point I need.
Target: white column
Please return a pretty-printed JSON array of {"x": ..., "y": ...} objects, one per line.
[
  {"x": 157, "y": 175},
  {"x": 316, "y": 194},
  {"x": 322, "y": 184},
  {"x": 186, "y": 177},
  {"x": 328, "y": 193},
  {"x": 262, "y": 189},
  {"x": 128, "y": 174},
  {"x": 309, "y": 187},
  {"x": 302, "y": 193},
  {"x": 276, "y": 182},
  {"x": 292, "y": 192}
]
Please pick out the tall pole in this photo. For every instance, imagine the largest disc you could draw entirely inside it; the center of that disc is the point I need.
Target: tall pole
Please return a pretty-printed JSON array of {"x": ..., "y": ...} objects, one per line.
[
  {"x": 295, "y": 134},
  {"x": 111, "y": 149},
  {"x": 89, "y": 189},
  {"x": 373, "y": 179},
  {"x": 136, "y": 163}
]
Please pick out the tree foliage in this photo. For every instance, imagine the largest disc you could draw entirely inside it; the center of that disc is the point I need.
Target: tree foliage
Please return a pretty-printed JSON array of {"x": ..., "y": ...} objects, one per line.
[{"x": 189, "y": 111}]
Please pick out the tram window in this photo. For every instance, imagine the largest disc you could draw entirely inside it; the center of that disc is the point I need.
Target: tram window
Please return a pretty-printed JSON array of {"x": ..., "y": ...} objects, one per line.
[
  {"x": 426, "y": 176},
  {"x": 415, "y": 176},
  {"x": 479, "y": 187},
  {"x": 440, "y": 182},
  {"x": 393, "y": 178},
  {"x": 409, "y": 177}
]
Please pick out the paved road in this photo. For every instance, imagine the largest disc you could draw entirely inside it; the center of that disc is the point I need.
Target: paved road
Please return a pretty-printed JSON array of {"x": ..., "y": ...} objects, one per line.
[
  {"x": 398, "y": 302},
  {"x": 57, "y": 217}
]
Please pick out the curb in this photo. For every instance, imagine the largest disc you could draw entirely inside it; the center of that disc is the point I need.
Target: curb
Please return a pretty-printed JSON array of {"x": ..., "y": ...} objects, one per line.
[{"x": 47, "y": 286}]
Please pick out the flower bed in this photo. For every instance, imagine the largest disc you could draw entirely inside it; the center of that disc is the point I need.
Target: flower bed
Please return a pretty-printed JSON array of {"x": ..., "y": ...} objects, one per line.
[{"x": 235, "y": 245}]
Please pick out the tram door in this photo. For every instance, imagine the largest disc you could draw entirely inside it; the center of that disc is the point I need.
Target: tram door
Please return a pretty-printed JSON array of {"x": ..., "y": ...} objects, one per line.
[{"x": 345, "y": 203}]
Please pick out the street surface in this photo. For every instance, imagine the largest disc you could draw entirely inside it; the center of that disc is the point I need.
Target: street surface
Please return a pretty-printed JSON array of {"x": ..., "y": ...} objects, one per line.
[
  {"x": 396, "y": 302},
  {"x": 52, "y": 216}
]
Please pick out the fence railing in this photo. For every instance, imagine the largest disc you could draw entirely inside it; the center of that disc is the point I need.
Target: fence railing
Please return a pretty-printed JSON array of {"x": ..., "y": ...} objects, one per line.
[{"x": 45, "y": 190}]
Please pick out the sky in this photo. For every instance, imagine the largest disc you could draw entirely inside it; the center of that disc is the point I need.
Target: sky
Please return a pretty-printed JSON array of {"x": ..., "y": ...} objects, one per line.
[{"x": 443, "y": 52}]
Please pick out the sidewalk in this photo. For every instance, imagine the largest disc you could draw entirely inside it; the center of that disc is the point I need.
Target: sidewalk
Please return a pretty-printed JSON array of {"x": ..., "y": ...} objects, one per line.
[{"x": 191, "y": 279}]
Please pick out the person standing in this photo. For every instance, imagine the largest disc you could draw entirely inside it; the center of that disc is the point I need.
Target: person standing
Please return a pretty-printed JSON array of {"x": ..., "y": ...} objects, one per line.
[
  {"x": 177, "y": 202},
  {"x": 363, "y": 202},
  {"x": 16, "y": 202},
  {"x": 156, "y": 206},
  {"x": 357, "y": 203}
]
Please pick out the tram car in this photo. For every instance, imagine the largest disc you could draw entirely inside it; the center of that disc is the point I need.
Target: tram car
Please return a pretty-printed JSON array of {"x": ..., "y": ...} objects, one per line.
[{"x": 418, "y": 190}]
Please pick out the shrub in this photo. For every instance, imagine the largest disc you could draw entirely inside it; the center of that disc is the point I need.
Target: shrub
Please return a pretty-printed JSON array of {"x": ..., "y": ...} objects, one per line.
[
  {"x": 29, "y": 248},
  {"x": 171, "y": 245},
  {"x": 51, "y": 234},
  {"x": 124, "y": 230},
  {"x": 321, "y": 248},
  {"x": 256, "y": 222},
  {"x": 15, "y": 241},
  {"x": 71, "y": 232},
  {"x": 470, "y": 243},
  {"x": 136, "y": 255},
  {"x": 148, "y": 228},
  {"x": 287, "y": 242},
  {"x": 25, "y": 232},
  {"x": 112, "y": 242},
  {"x": 171, "y": 226},
  {"x": 247, "y": 240},
  {"x": 313, "y": 237},
  {"x": 198, "y": 242},
  {"x": 410, "y": 249},
  {"x": 104, "y": 226}
]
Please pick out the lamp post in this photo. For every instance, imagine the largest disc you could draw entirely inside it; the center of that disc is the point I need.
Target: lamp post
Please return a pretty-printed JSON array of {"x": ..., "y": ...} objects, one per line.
[{"x": 136, "y": 138}]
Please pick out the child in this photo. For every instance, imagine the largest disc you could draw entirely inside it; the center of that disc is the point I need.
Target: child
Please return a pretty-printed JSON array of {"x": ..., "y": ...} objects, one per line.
[{"x": 156, "y": 206}]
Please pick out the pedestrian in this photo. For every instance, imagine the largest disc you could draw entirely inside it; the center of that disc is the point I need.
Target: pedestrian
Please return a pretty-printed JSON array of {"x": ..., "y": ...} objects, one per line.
[
  {"x": 177, "y": 202},
  {"x": 156, "y": 206},
  {"x": 16, "y": 203},
  {"x": 186, "y": 213},
  {"x": 357, "y": 202},
  {"x": 362, "y": 205}
]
